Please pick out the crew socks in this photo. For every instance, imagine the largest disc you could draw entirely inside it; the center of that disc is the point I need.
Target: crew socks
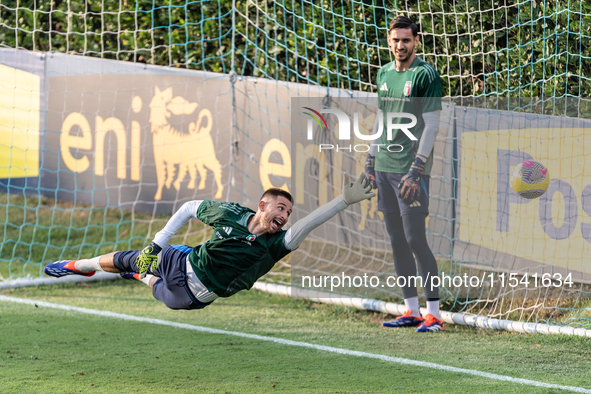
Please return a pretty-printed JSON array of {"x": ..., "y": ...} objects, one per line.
[{"x": 88, "y": 265}]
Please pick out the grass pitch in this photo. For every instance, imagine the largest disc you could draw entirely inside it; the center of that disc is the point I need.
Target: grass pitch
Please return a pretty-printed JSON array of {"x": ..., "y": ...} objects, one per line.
[{"x": 44, "y": 350}]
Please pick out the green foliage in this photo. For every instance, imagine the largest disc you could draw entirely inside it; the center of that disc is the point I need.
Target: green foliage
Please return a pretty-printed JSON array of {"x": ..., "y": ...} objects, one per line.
[{"x": 532, "y": 48}]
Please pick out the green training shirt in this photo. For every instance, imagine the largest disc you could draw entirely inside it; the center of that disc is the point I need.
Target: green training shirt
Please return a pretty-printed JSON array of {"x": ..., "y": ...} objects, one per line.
[
  {"x": 417, "y": 90},
  {"x": 233, "y": 258}
]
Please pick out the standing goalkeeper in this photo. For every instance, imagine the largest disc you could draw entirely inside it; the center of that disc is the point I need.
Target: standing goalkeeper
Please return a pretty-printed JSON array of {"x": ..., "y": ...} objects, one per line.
[
  {"x": 412, "y": 86},
  {"x": 243, "y": 247}
]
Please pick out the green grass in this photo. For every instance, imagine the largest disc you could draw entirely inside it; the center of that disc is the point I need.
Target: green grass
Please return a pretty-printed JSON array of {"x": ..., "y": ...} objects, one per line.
[{"x": 48, "y": 350}]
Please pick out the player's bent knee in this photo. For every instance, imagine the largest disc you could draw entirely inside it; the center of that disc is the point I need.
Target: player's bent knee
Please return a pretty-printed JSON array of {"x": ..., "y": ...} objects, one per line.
[
  {"x": 175, "y": 296},
  {"x": 416, "y": 241},
  {"x": 152, "y": 281}
]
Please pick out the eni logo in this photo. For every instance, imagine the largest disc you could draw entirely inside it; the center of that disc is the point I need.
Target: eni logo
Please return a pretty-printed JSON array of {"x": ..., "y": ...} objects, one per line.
[{"x": 193, "y": 151}]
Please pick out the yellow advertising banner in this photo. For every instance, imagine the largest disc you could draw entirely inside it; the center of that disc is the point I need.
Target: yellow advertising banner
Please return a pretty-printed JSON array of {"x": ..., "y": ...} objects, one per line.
[
  {"x": 19, "y": 123},
  {"x": 554, "y": 229}
]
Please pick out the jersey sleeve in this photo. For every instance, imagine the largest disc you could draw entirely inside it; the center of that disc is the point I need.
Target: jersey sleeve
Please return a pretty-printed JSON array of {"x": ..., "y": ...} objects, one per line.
[
  {"x": 431, "y": 89},
  {"x": 187, "y": 211},
  {"x": 208, "y": 212},
  {"x": 380, "y": 105},
  {"x": 277, "y": 247}
]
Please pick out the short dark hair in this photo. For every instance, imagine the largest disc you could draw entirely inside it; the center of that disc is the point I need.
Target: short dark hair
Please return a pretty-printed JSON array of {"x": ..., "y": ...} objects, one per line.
[
  {"x": 403, "y": 22},
  {"x": 276, "y": 192}
]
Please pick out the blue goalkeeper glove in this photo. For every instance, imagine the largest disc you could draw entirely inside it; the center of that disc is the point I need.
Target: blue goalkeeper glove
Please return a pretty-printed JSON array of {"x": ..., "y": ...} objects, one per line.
[
  {"x": 410, "y": 184},
  {"x": 148, "y": 259},
  {"x": 370, "y": 172}
]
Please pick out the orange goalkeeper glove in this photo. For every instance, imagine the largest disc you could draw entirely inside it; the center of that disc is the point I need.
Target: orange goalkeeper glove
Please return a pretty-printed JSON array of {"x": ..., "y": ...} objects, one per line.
[{"x": 410, "y": 184}]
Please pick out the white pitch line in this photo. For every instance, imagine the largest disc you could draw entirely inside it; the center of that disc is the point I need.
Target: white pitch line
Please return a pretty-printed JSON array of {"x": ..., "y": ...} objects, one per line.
[{"x": 295, "y": 343}]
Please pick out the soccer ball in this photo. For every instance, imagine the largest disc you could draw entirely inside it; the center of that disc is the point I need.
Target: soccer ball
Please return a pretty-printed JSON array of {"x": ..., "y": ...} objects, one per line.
[{"x": 530, "y": 179}]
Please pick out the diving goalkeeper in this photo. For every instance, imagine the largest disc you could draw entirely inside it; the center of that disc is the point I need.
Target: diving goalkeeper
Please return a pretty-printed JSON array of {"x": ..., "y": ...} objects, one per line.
[{"x": 244, "y": 246}]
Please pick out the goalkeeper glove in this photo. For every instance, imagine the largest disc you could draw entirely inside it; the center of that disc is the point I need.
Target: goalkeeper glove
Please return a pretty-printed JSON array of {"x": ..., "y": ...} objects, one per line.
[
  {"x": 410, "y": 184},
  {"x": 148, "y": 259},
  {"x": 359, "y": 191},
  {"x": 370, "y": 171}
]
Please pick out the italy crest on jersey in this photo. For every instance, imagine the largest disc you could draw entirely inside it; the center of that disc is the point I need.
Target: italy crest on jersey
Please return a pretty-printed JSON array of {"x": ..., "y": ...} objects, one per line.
[
  {"x": 407, "y": 87},
  {"x": 251, "y": 237}
]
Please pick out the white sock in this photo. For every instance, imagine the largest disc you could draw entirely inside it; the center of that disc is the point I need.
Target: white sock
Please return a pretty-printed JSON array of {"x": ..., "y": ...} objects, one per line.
[
  {"x": 413, "y": 305},
  {"x": 433, "y": 309},
  {"x": 147, "y": 278},
  {"x": 88, "y": 265}
]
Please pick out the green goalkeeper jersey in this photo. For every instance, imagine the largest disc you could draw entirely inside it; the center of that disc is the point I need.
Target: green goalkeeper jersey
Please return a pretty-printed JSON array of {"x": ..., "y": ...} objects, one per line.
[
  {"x": 233, "y": 258},
  {"x": 417, "y": 90}
]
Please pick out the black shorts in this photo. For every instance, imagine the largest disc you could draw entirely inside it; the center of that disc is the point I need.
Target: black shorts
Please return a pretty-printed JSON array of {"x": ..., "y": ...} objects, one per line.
[
  {"x": 388, "y": 200},
  {"x": 171, "y": 288}
]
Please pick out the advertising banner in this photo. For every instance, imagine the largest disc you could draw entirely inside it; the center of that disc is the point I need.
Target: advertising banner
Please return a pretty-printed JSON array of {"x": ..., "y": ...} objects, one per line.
[
  {"x": 498, "y": 228},
  {"x": 22, "y": 103},
  {"x": 127, "y": 135}
]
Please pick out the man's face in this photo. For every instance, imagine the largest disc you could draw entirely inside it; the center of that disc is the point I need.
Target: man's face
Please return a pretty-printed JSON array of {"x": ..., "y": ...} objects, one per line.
[
  {"x": 276, "y": 211},
  {"x": 402, "y": 43}
]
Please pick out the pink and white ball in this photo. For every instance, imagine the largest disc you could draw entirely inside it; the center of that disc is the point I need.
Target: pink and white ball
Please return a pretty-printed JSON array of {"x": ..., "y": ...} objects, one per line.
[{"x": 530, "y": 179}]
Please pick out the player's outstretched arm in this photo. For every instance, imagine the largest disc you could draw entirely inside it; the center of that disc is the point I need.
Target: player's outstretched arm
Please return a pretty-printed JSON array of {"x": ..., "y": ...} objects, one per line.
[
  {"x": 358, "y": 191},
  {"x": 352, "y": 194},
  {"x": 148, "y": 257}
]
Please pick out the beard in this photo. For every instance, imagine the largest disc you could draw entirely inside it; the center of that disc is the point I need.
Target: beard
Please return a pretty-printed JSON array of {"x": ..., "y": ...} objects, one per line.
[
  {"x": 269, "y": 225},
  {"x": 402, "y": 57}
]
